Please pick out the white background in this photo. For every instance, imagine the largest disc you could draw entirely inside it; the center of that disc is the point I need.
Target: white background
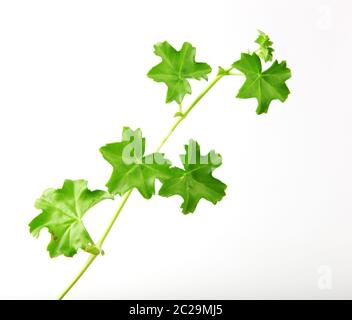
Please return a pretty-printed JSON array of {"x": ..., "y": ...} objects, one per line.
[{"x": 73, "y": 73}]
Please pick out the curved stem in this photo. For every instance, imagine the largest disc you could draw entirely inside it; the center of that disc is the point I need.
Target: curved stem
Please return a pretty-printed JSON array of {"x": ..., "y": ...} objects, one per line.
[
  {"x": 92, "y": 257},
  {"x": 99, "y": 244},
  {"x": 188, "y": 110},
  {"x": 117, "y": 213},
  {"x": 90, "y": 260}
]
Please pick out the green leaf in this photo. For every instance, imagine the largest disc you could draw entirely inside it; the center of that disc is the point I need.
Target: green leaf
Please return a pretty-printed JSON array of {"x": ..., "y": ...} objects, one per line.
[
  {"x": 62, "y": 213},
  {"x": 131, "y": 168},
  {"x": 265, "y": 50},
  {"x": 195, "y": 181},
  {"x": 176, "y": 67},
  {"x": 264, "y": 86}
]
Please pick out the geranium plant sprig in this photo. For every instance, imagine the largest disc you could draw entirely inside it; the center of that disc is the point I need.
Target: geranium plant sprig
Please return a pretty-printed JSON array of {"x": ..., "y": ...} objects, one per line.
[{"x": 63, "y": 209}]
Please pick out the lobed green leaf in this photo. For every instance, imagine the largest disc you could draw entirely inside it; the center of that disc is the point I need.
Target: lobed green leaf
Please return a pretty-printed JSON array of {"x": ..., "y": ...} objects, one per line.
[
  {"x": 62, "y": 213},
  {"x": 131, "y": 168},
  {"x": 175, "y": 68},
  {"x": 266, "y": 85},
  {"x": 265, "y": 50},
  {"x": 195, "y": 181}
]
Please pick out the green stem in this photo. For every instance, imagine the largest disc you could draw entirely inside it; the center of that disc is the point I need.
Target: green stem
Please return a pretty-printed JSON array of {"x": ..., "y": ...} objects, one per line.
[
  {"x": 188, "y": 110},
  {"x": 99, "y": 244},
  {"x": 117, "y": 213},
  {"x": 180, "y": 108},
  {"x": 235, "y": 74},
  {"x": 90, "y": 260}
]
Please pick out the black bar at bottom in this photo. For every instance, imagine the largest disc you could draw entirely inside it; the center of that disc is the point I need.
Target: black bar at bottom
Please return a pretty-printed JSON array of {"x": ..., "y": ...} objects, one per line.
[{"x": 176, "y": 309}]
